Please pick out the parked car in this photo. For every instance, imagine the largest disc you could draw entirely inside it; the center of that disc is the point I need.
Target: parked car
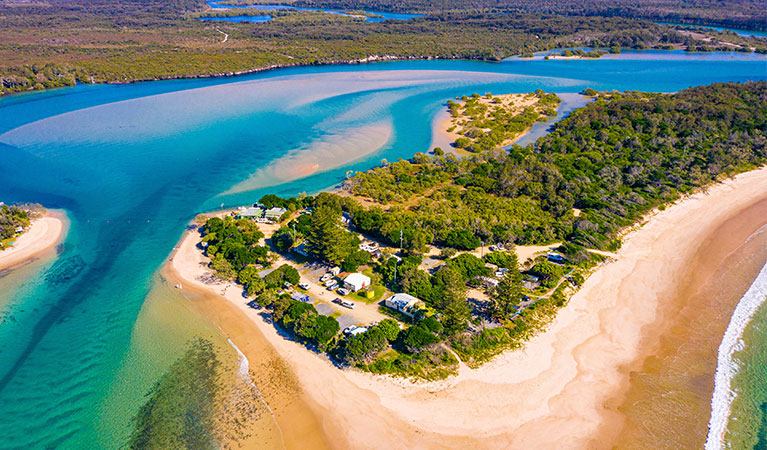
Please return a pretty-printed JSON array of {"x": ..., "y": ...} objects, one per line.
[
  {"x": 493, "y": 248},
  {"x": 344, "y": 303},
  {"x": 343, "y": 291},
  {"x": 333, "y": 286},
  {"x": 303, "y": 285},
  {"x": 325, "y": 277},
  {"x": 347, "y": 304},
  {"x": 330, "y": 282}
]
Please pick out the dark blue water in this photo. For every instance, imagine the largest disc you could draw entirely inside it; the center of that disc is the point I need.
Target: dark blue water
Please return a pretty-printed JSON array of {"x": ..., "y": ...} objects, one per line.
[
  {"x": 132, "y": 164},
  {"x": 380, "y": 16}
]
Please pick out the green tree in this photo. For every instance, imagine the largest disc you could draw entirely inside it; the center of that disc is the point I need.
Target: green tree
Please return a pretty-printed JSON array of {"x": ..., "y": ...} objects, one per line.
[
  {"x": 461, "y": 239},
  {"x": 282, "y": 239},
  {"x": 326, "y": 239},
  {"x": 417, "y": 337},
  {"x": 390, "y": 329},
  {"x": 222, "y": 268}
]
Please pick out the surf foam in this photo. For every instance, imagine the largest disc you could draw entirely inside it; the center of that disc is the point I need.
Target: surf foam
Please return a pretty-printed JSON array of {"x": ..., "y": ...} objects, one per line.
[{"x": 727, "y": 366}]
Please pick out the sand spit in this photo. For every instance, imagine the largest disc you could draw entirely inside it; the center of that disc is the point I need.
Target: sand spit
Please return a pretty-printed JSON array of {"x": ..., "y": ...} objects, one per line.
[
  {"x": 559, "y": 389},
  {"x": 43, "y": 235}
]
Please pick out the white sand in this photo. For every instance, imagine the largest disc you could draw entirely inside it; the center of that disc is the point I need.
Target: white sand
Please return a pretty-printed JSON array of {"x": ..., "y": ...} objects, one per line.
[{"x": 42, "y": 235}]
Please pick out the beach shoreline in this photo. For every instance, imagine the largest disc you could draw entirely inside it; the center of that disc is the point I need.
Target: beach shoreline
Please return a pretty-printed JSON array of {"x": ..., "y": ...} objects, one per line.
[
  {"x": 44, "y": 233},
  {"x": 567, "y": 383}
]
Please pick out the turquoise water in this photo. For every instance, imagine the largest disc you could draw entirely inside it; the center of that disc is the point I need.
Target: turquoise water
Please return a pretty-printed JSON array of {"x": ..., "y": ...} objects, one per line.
[
  {"x": 381, "y": 15},
  {"x": 132, "y": 164}
]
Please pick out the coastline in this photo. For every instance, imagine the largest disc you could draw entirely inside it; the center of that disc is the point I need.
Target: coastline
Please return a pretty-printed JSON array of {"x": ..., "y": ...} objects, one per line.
[
  {"x": 291, "y": 407},
  {"x": 567, "y": 383},
  {"x": 44, "y": 233}
]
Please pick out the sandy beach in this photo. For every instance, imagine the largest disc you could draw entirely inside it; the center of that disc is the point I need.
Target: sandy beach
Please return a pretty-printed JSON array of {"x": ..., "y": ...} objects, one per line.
[
  {"x": 43, "y": 235},
  {"x": 566, "y": 386}
]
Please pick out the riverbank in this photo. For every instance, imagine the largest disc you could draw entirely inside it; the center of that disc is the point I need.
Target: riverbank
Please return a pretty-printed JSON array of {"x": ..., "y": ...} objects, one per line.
[
  {"x": 568, "y": 383},
  {"x": 44, "y": 233}
]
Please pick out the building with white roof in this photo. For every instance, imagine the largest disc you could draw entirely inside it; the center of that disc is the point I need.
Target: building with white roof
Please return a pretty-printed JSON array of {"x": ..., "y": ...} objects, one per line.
[
  {"x": 404, "y": 303},
  {"x": 356, "y": 282}
]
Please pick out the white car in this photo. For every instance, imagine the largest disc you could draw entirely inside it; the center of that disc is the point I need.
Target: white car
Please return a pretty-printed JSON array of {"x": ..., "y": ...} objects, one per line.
[
  {"x": 332, "y": 286},
  {"x": 343, "y": 291},
  {"x": 325, "y": 277},
  {"x": 330, "y": 282},
  {"x": 303, "y": 285}
]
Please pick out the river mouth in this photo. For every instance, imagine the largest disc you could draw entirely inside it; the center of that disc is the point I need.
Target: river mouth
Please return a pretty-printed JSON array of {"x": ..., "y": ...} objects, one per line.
[{"x": 133, "y": 164}]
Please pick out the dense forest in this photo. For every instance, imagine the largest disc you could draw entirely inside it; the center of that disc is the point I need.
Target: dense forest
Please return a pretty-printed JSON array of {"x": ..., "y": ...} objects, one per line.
[
  {"x": 597, "y": 172},
  {"x": 64, "y": 42},
  {"x": 745, "y": 14}
]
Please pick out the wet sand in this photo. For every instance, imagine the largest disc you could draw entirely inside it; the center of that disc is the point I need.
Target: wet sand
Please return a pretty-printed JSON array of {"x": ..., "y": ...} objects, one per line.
[
  {"x": 668, "y": 402},
  {"x": 570, "y": 384},
  {"x": 299, "y": 428},
  {"x": 44, "y": 233}
]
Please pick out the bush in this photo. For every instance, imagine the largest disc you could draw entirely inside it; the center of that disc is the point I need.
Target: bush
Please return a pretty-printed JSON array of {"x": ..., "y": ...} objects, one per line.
[{"x": 461, "y": 239}]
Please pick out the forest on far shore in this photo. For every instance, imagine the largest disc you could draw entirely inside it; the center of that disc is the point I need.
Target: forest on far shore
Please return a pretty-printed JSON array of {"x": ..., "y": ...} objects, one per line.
[{"x": 64, "y": 42}]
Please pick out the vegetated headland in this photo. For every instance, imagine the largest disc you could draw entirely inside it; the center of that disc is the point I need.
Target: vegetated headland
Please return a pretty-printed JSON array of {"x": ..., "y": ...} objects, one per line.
[
  {"x": 441, "y": 232},
  {"x": 65, "y": 42}
]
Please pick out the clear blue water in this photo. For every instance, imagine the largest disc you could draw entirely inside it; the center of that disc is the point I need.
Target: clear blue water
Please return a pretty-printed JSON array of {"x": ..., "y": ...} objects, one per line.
[
  {"x": 748, "y": 33},
  {"x": 132, "y": 164},
  {"x": 381, "y": 15}
]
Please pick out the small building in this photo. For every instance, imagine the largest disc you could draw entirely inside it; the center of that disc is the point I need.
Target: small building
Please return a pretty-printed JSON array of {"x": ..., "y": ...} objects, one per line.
[
  {"x": 404, "y": 303},
  {"x": 274, "y": 214},
  {"x": 335, "y": 271},
  {"x": 299, "y": 297},
  {"x": 357, "y": 330},
  {"x": 250, "y": 213},
  {"x": 489, "y": 282},
  {"x": 356, "y": 282}
]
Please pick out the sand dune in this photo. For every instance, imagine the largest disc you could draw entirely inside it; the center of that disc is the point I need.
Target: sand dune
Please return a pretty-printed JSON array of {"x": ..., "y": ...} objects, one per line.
[{"x": 556, "y": 392}]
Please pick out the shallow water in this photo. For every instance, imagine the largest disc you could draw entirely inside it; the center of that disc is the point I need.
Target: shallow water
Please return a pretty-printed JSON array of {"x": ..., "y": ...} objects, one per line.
[{"x": 132, "y": 164}]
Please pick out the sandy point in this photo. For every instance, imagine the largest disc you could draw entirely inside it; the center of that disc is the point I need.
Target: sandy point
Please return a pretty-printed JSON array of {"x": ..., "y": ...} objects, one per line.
[
  {"x": 44, "y": 233},
  {"x": 558, "y": 390}
]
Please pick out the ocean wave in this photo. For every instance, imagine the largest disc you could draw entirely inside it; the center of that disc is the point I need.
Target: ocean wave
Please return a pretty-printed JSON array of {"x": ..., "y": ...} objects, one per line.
[{"x": 727, "y": 366}]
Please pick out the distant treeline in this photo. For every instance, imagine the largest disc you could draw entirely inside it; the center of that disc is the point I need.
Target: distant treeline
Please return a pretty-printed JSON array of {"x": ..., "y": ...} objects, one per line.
[
  {"x": 63, "y": 42},
  {"x": 745, "y": 14}
]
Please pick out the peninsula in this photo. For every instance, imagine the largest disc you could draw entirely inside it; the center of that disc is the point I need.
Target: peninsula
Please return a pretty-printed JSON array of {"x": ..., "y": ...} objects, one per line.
[{"x": 441, "y": 336}]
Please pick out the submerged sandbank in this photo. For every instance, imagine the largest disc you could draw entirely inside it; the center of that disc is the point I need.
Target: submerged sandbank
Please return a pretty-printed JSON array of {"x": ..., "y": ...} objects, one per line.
[
  {"x": 565, "y": 386},
  {"x": 44, "y": 233},
  {"x": 292, "y": 408},
  {"x": 334, "y": 151}
]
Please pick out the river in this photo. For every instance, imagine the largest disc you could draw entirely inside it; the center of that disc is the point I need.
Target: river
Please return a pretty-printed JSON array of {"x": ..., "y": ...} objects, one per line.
[{"x": 84, "y": 336}]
